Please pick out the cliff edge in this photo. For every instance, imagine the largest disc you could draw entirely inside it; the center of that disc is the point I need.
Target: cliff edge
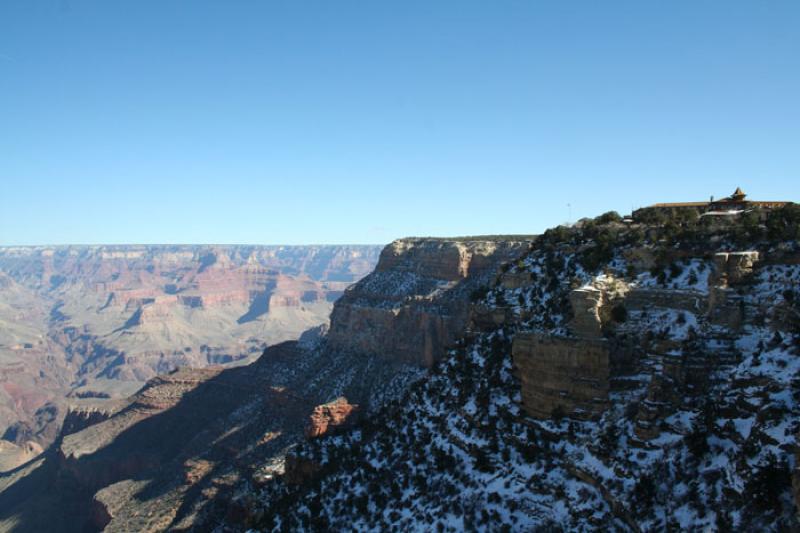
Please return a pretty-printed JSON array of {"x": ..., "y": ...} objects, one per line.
[{"x": 416, "y": 302}]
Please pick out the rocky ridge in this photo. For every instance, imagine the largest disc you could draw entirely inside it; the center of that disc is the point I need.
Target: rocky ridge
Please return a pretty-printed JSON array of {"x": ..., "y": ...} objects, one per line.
[
  {"x": 624, "y": 376},
  {"x": 416, "y": 302}
]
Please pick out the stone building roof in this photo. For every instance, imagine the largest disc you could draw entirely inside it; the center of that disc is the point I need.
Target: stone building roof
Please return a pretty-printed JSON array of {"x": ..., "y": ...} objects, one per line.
[
  {"x": 681, "y": 204},
  {"x": 737, "y": 199}
]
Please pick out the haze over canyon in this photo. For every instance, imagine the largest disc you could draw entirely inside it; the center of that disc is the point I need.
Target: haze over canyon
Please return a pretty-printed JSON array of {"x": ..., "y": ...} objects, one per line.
[{"x": 82, "y": 326}]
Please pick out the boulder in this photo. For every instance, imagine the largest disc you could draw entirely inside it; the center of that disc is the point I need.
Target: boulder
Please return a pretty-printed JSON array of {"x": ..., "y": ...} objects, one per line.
[
  {"x": 324, "y": 418},
  {"x": 733, "y": 267}
]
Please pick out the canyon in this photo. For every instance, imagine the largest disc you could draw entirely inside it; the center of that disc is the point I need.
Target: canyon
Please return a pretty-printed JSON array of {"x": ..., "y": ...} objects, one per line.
[
  {"x": 617, "y": 374},
  {"x": 83, "y": 327},
  {"x": 178, "y": 453}
]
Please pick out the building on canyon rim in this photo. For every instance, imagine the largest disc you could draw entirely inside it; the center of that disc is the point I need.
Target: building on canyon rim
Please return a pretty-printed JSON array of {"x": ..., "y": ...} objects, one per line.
[{"x": 732, "y": 205}]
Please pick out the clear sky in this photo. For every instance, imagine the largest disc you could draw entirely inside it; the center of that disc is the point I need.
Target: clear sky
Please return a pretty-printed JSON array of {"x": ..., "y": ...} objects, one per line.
[{"x": 359, "y": 122}]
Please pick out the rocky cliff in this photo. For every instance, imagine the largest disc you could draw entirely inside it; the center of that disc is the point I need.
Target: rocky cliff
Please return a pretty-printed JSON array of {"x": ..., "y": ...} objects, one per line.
[
  {"x": 562, "y": 375},
  {"x": 416, "y": 302},
  {"x": 620, "y": 376}
]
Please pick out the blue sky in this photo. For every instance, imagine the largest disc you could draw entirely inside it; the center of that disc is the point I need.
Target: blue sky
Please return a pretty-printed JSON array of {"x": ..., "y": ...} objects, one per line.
[{"x": 360, "y": 122}]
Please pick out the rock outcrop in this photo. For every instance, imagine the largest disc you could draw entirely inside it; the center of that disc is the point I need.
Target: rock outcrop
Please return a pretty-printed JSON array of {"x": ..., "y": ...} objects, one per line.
[
  {"x": 416, "y": 303},
  {"x": 336, "y": 414},
  {"x": 562, "y": 375},
  {"x": 14, "y": 455},
  {"x": 84, "y": 413},
  {"x": 586, "y": 304},
  {"x": 570, "y": 374},
  {"x": 733, "y": 267}
]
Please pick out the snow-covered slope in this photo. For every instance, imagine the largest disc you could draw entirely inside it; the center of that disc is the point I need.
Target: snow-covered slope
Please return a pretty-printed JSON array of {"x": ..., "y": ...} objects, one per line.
[{"x": 700, "y": 416}]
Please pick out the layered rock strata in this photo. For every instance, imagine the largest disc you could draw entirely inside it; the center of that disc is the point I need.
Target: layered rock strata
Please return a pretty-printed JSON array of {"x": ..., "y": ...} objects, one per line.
[
  {"x": 561, "y": 375},
  {"x": 336, "y": 414},
  {"x": 99, "y": 321},
  {"x": 416, "y": 302},
  {"x": 571, "y": 374}
]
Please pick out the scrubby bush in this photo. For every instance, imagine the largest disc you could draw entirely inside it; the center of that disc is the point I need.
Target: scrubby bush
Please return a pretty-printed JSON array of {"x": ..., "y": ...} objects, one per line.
[
  {"x": 557, "y": 413},
  {"x": 697, "y": 441},
  {"x": 608, "y": 217},
  {"x": 784, "y": 223},
  {"x": 749, "y": 228},
  {"x": 481, "y": 460},
  {"x": 609, "y": 439},
  {"x": 675, "y": 270},
  {"x": 619, "y": 313},
  {"x": 767, "y": 486},
  {"x": 479, "y": 294},
  {"x": 645, "y": 491}
]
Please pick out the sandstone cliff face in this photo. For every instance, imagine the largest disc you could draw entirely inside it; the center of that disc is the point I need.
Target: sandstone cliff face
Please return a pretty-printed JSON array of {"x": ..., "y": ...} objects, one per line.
[
  {"x": 572, "y": 374},
  {"x": 733, "y": 267},
  {"x": 84, "y": 413},
  {"x": 562, "y": 375},
  {"x": 417, "y": 301},
  {"x": 324, "y": 418},
  {"x": 14, "y": 455},
  {"x": 569, "y": 374}
]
